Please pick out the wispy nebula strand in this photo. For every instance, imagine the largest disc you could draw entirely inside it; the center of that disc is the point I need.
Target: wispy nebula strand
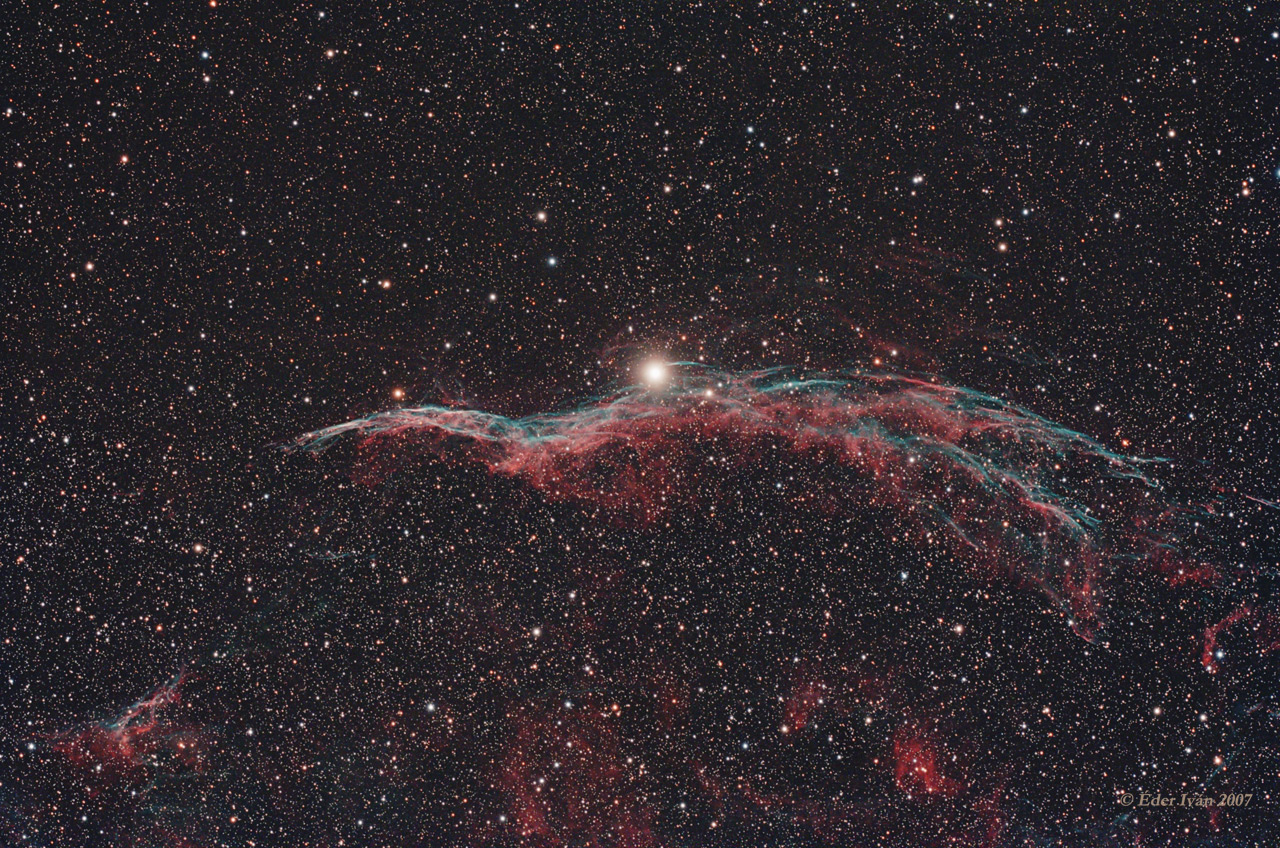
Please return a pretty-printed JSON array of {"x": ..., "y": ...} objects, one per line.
[{"x": 1008, "y": 490}]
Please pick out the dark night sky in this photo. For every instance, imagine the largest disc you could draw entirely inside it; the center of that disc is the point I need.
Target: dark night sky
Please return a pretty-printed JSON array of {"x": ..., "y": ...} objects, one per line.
[{"x": 895, "y": 243}]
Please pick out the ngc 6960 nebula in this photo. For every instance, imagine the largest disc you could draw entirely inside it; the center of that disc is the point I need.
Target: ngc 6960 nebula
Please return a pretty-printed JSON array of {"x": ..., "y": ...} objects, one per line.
[{"x": 954, "y": 466}]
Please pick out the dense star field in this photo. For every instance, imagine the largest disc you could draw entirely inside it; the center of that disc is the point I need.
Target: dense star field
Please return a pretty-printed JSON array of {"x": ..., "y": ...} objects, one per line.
[{"x": 640, "y": 424}]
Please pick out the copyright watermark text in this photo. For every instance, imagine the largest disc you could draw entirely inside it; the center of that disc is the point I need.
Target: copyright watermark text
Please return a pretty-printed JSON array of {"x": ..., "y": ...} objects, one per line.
[{"x": 1156, "y": 799}]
